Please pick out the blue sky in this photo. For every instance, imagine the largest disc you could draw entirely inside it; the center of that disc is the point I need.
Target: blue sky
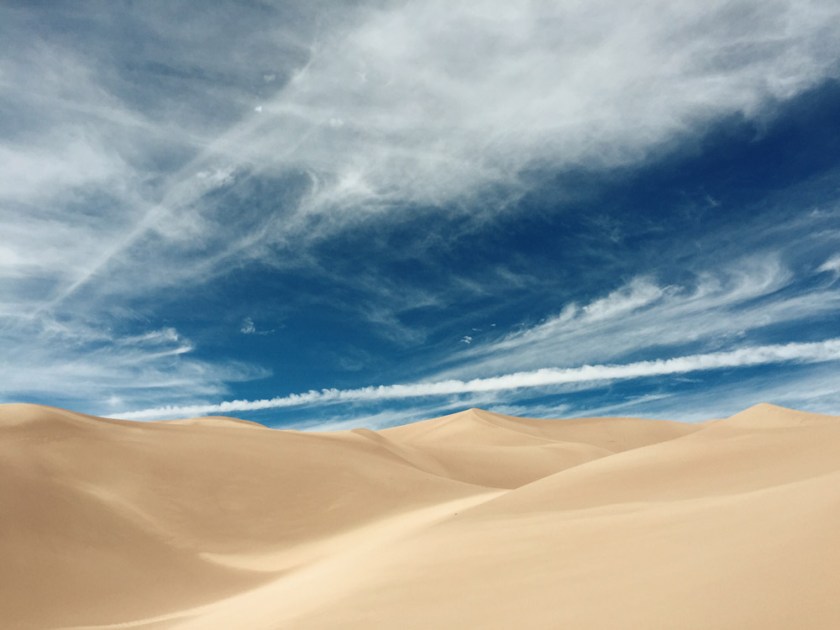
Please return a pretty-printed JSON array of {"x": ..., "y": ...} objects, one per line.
[{"x": 366, "y": 213}]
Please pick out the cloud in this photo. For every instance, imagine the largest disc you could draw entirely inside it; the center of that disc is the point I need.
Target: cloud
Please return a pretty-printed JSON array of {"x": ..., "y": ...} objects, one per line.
[
  {"x": 712, "y": 307},
  {"x": 832, "y": 265},
  {"x": 389, "y": 107},
  {"x": 248, "y": 327},
  {"x": 72, "y": 364},
  {"x": 813, "y": 387},
  {"x": 439, "y": 101},
  {"x": 639, "y": 293},
  {"x": 815, "y": 352}
]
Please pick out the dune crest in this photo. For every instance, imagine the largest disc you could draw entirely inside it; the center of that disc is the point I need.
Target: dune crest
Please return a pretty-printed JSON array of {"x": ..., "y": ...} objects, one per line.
[
  {"x": 218, "y": 421},
  {"x": 472, "y": 520},
  {"x": 768, "y": 416}
]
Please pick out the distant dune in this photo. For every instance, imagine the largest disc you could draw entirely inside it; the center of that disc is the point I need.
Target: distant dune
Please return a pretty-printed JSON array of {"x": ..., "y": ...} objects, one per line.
[{"x": 473, "y": 520}]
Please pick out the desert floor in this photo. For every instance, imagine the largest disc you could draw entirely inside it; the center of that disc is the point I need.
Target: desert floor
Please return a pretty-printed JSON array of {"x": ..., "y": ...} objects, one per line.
[{"x": 474, "y": 520}]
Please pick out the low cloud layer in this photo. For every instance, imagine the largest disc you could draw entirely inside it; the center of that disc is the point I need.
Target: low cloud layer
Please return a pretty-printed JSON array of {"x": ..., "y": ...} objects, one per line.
[{"x": 828, "y": 350}]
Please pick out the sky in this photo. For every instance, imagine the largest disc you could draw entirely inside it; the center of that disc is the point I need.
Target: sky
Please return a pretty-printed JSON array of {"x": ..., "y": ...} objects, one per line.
[{"x": 327, "y": 215}]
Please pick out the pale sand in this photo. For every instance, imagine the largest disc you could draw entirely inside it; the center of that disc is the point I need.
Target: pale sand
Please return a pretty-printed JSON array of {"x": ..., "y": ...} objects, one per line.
[{"x": 474, "y": 520}]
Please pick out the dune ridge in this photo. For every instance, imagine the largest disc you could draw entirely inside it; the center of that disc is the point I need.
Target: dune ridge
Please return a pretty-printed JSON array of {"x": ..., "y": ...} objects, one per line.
[{"x": 473, "y": 520}]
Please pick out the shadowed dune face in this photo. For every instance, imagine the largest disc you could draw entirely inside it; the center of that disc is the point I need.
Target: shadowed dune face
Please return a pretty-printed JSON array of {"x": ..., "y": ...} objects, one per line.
[
  {"x": 470, "y": 520},
  {"x": 506, "y": 452}
]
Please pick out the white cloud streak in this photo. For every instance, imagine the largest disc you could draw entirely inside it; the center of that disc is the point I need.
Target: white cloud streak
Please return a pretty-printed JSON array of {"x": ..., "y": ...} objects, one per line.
[
  {"x": 832, "y": 265},
  {"x": 641, "y": 292},
  {"x": 74, "y": 365},
  {"x": 713, "y": 308},
  {"x": 815, "y": 352}
]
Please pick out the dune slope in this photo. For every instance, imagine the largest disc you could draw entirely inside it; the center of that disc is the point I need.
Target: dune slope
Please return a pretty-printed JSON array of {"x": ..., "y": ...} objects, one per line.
[{"x": 471, "y": 520}]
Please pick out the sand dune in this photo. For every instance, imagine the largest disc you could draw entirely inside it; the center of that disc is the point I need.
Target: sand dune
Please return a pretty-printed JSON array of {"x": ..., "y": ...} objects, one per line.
[{"x": 474, "y": 520}]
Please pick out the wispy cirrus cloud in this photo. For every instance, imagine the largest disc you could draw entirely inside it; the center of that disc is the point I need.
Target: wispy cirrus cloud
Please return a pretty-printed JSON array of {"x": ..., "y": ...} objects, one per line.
[
  {"x": 73, "y": 364},
  {"x": 472, "y": 117},
  {"x": 714, "y": 309},
  {"x": 831, "y": 265},
  {"x": 386, "y": 107}
]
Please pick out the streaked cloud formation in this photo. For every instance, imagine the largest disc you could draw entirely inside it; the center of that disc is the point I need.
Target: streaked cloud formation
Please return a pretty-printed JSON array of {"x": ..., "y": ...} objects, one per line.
[
  {"x": 743, "y": 297},
  {"x": 376, "y": 176},
  {"x": 828, "y": 350}
]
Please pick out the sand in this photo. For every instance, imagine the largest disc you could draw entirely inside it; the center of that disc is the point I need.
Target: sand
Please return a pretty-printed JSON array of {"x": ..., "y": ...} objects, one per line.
[{"x": 474, "y": 520}]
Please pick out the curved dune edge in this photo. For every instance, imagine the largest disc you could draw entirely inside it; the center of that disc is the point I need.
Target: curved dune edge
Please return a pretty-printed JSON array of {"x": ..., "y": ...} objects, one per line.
[{"x": 473, "y": 520}]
